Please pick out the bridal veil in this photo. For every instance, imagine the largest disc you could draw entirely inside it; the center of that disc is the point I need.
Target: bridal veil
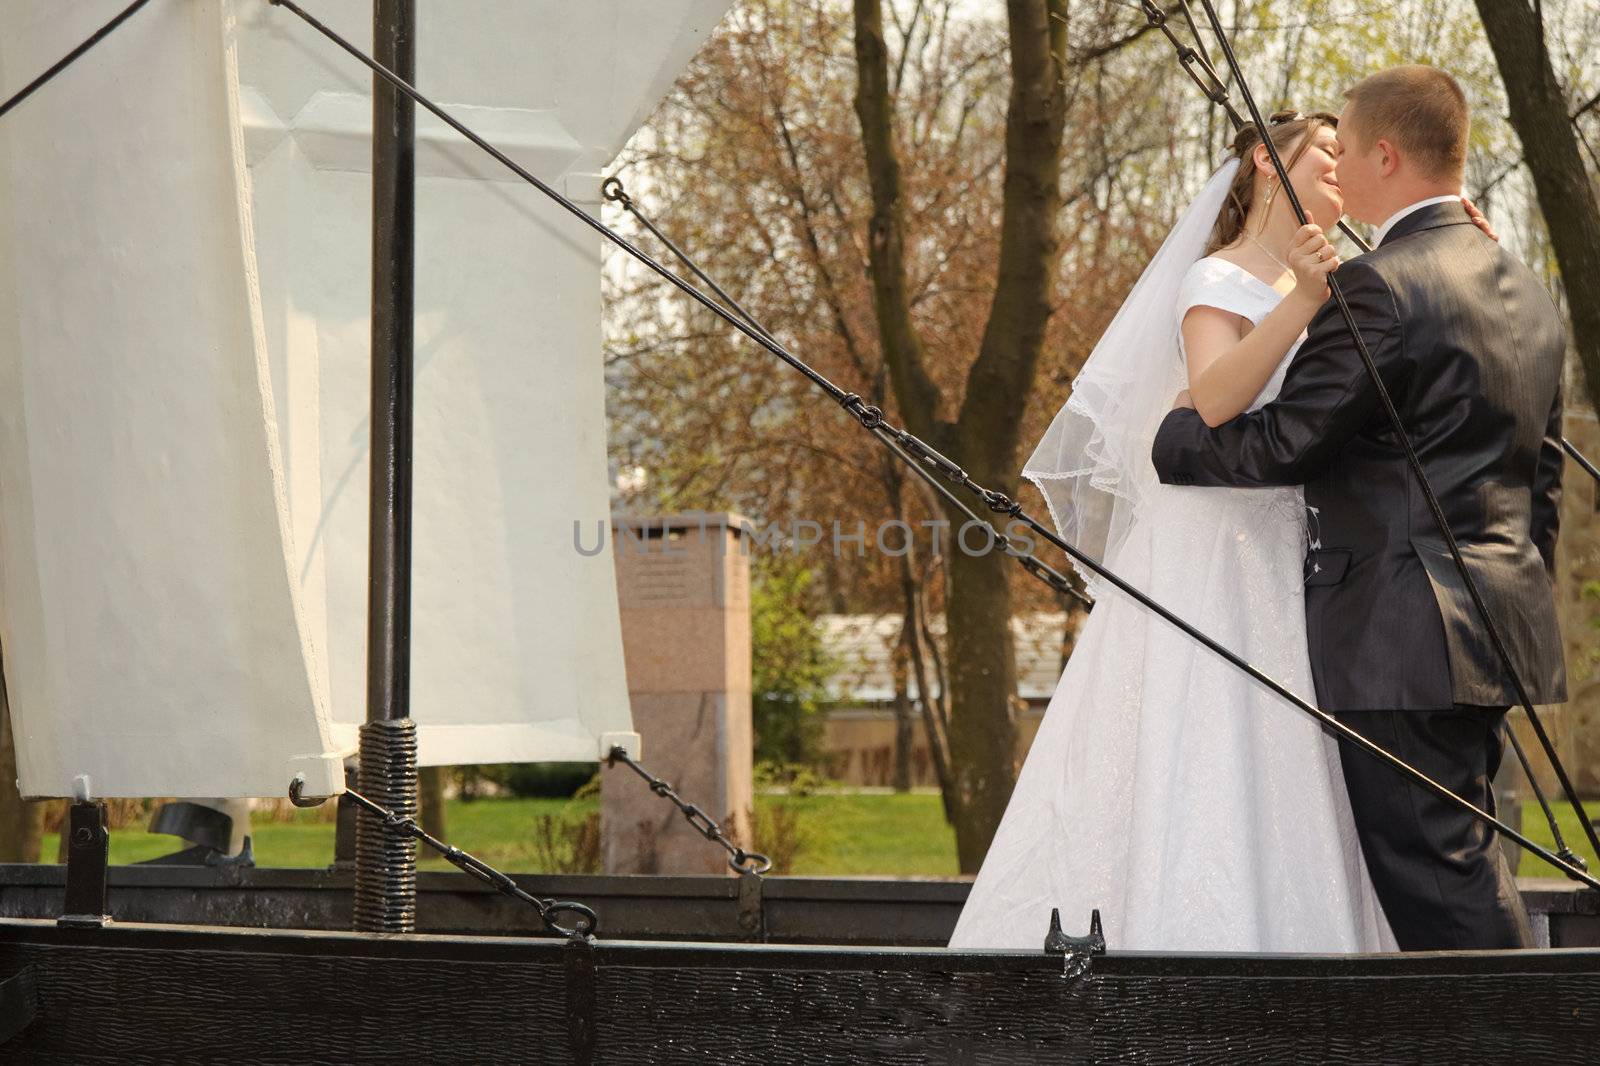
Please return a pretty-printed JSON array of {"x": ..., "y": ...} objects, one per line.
[{"x": 1093, "y": 463}]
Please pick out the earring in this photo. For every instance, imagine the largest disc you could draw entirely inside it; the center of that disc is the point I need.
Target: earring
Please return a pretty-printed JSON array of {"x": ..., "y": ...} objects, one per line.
[{"x": 1272, "y": 190}]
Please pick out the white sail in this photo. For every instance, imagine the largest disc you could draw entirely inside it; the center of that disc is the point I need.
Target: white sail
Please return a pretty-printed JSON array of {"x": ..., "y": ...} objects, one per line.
[
  {"x": 151, "y": 635},
  {"x": 516, "y": 640},
  {"x": 184, "y": 295}
]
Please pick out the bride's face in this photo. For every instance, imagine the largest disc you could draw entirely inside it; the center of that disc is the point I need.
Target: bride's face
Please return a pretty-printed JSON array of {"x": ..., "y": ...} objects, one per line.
[{"x": 1316, "y": 180}]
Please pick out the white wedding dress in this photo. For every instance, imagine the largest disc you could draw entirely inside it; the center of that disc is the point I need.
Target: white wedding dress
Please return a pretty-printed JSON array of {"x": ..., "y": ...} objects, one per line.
[{"x": 1194, "y": 808}]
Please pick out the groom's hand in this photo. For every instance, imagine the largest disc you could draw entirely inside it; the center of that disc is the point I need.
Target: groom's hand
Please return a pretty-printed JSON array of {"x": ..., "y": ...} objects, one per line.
[{"x": 1183, "y": 401}]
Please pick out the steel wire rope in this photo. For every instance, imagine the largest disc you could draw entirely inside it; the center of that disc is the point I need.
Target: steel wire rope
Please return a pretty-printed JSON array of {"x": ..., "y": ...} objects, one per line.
[
  {"x": 1217, "y": 93},
  {"x": 613, "y": 190},
  {"x": 1393, "y": 415},
  {"x": 999, "y": 503},
  {"x": 71, "y": 57}
]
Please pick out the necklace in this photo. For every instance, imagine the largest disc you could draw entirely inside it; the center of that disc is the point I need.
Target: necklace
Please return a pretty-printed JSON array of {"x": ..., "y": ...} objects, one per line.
[{"x": 1251, "y": 237}]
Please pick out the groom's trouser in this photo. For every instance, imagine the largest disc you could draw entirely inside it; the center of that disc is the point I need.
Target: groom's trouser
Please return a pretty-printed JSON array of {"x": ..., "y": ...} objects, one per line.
[{"x": 1441, "y": 874}]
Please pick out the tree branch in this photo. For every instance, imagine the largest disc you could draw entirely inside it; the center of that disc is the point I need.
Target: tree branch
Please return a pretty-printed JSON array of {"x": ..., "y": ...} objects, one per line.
[
  {"x": 987, "y": 428},
  {"x": 918, "y": 395}
]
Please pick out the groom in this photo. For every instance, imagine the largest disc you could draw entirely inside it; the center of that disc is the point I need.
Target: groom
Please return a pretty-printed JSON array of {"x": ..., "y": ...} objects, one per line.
[{"x": 1470, "y": 347}]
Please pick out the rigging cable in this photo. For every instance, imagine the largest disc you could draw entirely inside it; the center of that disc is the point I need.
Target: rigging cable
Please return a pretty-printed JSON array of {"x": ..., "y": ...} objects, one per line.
[
  {"x": 1217, "y": 93},
  {"x": 1393, "y": 415},
  {"x": 1197, "y": 64},
  {"x": 613, "y": 190},
  {"x": 71, "y": 57},
  {"x": 997, "y": 501}
]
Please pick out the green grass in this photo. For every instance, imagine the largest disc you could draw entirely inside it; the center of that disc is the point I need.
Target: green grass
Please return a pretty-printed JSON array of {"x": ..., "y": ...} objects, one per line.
[
  {"x": 499, "y": 831},
  {"x": 875, "y": 835},
  {"x": 841, "y": 834},
  {"x": 878, "y": 834},
  {"x": 1537, "y": 830}
]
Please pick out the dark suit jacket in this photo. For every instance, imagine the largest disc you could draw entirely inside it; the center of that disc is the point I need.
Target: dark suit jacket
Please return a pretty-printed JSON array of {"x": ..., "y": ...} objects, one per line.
[{"x": 1470, "y": 347}]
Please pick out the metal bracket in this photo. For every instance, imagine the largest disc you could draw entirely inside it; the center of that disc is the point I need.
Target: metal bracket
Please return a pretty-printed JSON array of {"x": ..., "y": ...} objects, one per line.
[
  {"x": 205, "y": 855},
  {"x": 89, "y": 844},
  {"x": 752, "y": 909},
  {"x": 344, "y": 831},
  {"x": 578, "y": 961},
  {"x": 1075, "y": 951}
]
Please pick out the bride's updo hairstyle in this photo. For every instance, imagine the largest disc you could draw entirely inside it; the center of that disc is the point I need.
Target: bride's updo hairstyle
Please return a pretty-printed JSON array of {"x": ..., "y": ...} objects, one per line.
[{"x": 1287, "y": 129}]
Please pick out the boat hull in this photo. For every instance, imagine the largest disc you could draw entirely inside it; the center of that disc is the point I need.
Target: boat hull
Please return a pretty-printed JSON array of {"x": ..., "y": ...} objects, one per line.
[
  {"x": 906, "y": 912},
  {"x": 137, "y": 993}
]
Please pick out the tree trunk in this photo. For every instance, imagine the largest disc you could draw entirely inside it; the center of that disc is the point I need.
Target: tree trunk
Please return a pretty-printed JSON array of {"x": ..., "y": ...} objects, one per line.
[
  {"x": 984, "y": 437},
  {"x": 430, "y": 797},
  {"x": 1550, "y": 147},
  {"x": 917, "y": 395},
  {"x": 21, "y": 823},
  {"x": 905, "y": 734}
]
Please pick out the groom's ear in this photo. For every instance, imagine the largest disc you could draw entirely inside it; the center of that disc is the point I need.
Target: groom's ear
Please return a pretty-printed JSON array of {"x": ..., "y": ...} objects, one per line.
[{"x": 1388, "y": 157}]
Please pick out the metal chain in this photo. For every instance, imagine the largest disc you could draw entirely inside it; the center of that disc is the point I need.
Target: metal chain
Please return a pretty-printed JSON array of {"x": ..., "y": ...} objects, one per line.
[
  {"x": 746, "y": 862},
  {"x": 1193, "y": 59},
  {"x": 1329, "y": 723},
  {"x": 586, "y": 926}
]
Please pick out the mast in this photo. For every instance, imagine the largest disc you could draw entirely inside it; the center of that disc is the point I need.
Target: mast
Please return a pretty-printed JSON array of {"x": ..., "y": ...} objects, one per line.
[{"x": 386, "y": 863}]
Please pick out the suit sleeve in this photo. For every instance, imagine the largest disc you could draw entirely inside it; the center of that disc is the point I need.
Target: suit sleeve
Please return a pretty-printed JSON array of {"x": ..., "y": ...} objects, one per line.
[
  {"x": 1546, "y": 514},
  {"x": 1327, "y": 397}
]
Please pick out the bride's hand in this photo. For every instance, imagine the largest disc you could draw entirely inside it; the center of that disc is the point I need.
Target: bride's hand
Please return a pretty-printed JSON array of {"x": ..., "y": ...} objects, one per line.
[
  {"x": 1312, "y": 259},
  {"x": 1478, "y": 219}
]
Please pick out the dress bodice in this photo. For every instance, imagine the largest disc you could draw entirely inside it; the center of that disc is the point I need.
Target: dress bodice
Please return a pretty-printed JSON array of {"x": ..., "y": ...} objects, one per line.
[{"x": 1216, "y": 282}]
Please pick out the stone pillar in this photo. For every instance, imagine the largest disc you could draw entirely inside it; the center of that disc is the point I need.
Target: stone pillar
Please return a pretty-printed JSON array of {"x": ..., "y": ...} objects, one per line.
[{"x": 683, "y": 582}]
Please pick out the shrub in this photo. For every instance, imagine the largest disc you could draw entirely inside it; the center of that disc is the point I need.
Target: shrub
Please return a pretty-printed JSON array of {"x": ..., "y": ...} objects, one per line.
[
  {"x": 539, "y": 780},
  {"x": 789, "y": 664}
]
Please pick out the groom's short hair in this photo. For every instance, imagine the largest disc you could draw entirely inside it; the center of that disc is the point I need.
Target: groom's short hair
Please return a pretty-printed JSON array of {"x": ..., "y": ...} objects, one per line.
[{"x": 1419, "y": 109}]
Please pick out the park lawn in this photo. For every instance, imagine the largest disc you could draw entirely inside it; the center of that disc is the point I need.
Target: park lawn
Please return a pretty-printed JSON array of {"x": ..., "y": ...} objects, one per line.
[
  {"x": 841, "y": 835},
  {"x": 1537, "y": 830},
  {"x": 871, "y": 834},
  {"x": 499, "y": 831}
]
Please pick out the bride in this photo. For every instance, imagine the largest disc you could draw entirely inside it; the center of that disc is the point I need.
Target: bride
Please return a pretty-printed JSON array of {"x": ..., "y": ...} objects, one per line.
[{"x": 1195, "y": 809}]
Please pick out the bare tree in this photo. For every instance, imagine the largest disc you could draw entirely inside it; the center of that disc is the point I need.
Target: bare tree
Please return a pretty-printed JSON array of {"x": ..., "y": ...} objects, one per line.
[
  {"x": 983, "y": 435},
  {"x": 756, "y": 164},
  {"x": 1541, "y": 115}
]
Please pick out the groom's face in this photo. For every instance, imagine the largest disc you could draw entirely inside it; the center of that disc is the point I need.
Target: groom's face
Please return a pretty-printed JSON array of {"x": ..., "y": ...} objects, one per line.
[{"x": 1359, "y": 170}]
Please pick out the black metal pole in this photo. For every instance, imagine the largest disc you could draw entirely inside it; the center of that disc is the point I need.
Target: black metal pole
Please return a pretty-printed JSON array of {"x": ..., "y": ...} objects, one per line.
[
  {"x": 1419, "y": 475},
  {"x": 873, "y": 419},
  {"x": 386, "y": 863}
]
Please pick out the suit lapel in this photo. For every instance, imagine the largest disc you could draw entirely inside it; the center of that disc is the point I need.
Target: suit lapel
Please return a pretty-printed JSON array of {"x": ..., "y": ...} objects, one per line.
[{"x": 1431, "y": 217}]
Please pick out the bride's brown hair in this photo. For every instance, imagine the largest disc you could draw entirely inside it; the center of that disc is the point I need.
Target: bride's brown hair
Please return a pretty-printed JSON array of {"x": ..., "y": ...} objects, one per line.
[{"x": 1285, "y": 128}]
